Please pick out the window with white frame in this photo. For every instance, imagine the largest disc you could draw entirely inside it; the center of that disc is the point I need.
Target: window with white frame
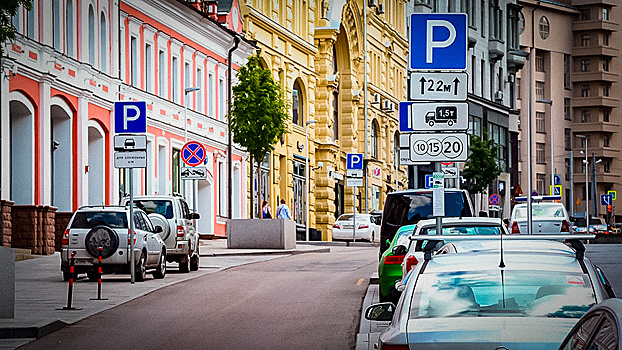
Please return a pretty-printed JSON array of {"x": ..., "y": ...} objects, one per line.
[
  {"x": 103, "y": 52},
  {"x": 187, "y": 84},
  {"x": 69, "y": 30},
  {"x": 540, "y": 153},
  {"x": 161, "y": 73},
  {"x": 199, "y": 93},
  {"x": 31, "y": 20},
  {"x": 92, "y": 38},
  {"x": 175, "y": 80},
  {"x": 222, "y": 190},
  {"x": 540, "y": 123},
  {"x": 149, "y": 68},
  {"x": 210, "y": 95},
  {"x": 56, "y": 25},
  {"x": 221, "y": 98},
  {"x": 134, "y": 62}
]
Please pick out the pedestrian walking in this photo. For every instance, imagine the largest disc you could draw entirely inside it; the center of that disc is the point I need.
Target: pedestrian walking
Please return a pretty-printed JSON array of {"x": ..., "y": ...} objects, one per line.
[
  {"x": 282, "y": 212},
  {"x": 266, "y": 212}
]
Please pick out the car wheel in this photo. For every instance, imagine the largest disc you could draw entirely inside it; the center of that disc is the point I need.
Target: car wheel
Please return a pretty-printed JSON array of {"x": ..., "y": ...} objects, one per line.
[
  {"x": 93, "y": 276},
  {"x": 160, "y": 271},
  {"x": 194, "y": 261},
  {"x": 141, "y": 269},
  {"x": 373, "y": 236},
  {"x": 184, "y": 265}
]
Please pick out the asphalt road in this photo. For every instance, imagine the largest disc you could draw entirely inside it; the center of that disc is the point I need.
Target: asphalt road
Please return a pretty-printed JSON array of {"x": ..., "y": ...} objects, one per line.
[
  {"x": 609, "y": 258},
  {"x": 306, "y": 301}
]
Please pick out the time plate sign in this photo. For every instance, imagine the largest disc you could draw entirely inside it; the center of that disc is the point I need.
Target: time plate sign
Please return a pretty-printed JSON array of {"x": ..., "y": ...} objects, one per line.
[{"x": 438, "y": 86}]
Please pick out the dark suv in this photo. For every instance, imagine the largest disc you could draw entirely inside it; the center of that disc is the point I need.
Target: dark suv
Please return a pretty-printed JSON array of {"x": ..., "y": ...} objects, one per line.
[{"x": 409, "y": 206}]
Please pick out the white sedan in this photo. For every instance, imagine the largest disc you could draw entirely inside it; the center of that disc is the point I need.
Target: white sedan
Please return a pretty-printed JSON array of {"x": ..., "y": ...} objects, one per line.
[{"x": 366, "y": 228}]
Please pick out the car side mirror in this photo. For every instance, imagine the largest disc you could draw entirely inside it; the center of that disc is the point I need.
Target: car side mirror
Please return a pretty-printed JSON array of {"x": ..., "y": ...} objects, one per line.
[
  {"x": 399, "y": 250},
  {"x": 506, "y": 222},
  {"x": 158, "y": 229},
  {"x": 380, "y": 312},
  {"x": 194, "y": 216}
]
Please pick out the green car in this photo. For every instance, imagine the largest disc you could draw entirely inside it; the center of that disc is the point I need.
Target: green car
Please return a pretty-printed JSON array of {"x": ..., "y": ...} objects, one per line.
[{"x": 390, "y": 266}]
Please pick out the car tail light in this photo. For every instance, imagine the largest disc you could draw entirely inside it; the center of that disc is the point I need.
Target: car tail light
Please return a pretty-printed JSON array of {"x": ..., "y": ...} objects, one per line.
[
  {"x": 336, "y": 226},
  {"x": 363, "y": 226},
  {"x": 180, "y": 231},
  {"x": 565, "y": 226},
  {"x": 411, "y": 262},
  {"x": 393, "y": 259},
  {"x": 66, "y": 237},
  {"x": 515, "y": 229}
]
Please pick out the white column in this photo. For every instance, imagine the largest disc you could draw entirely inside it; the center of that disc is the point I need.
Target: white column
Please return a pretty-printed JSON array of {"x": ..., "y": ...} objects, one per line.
[
  {"x": 5, "y": 145},
  {"x": 45, "y": 150},
  {"x": 82, "y": 148}
]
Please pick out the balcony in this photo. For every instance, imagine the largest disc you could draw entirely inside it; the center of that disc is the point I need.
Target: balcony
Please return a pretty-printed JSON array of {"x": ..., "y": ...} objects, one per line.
[
  {"x": 595, "y": 2},
  {"x": 580, "y": 77},
  {"x": 496, "y": 49},
  {"x": 601, "y": 177},
  {"x": 581, "y": 26},
  {"x": 580, "y": 51},
  {"x": 596, "y": 101},
  {"x": 582, "y": 128},
  {"x": 515, "y": 61}
]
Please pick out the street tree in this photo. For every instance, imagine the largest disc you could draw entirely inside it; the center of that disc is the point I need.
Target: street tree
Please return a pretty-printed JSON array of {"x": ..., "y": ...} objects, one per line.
[
  {"x": 482, "y": 167},
  {"x": 8, "y": 9},
  {"x": 258, "y": 113}
]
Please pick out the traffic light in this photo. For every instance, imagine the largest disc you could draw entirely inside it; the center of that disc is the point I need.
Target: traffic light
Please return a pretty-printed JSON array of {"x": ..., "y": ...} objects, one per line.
[{"x": 609, "y": 208}]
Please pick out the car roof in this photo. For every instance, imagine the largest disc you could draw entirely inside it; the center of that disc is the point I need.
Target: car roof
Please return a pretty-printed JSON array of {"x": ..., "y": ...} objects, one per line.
[
  {"x": 548, "y": 247},
  {"x": 99, "y": 208},
  {"x": 423, "y": 190},
  {"x": 459, "y": 221}
]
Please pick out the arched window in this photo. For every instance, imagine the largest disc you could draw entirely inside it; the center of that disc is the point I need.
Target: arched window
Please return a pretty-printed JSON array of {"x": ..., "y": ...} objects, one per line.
[
  {"x": 102, "y": 41},
  {"x": 374, "y": 140},
  {"x": 91, "y": 36},
  {"x": 297, "y": 104},
  {"x": 69, "y": 27}
]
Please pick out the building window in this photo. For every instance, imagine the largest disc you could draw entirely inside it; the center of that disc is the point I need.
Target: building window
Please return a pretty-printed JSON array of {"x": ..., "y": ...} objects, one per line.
[
  {"x": 148, "y": 68},
  {"x": 585, "y": 116},
  {"x": 518, "y": 93},
  {"x": 69, "y": 27},
  {"x": 585, "y": 15},
  {"x": 57, "y": 25},
  {"x": 539, "y": 63},
  {"x": 540, "y": 181},
  {"x": 495, "y": 18},
  {"x": 605, "y": 14},
  {"x": 540, "y": 90},
  {"x": 566, "y": 71},
  {"x": 607, "y": 166},
  {"x": 297, "y": 104},
  {"x": 606, "y": 65},
  {"x": 521, "y": 23},
  {"x": 103, "y": 44},
  {"x": 605, "y": 39},
  {"x": 92, "y": 40},
  {"x": 606, "y": 90},
  {"x": 374, "y": 140},
  {"x": 519, "y": 154},
  {"x": 161, "y": 74},
  {"x": 299, "y": 183},
  {"x": 221, "y": 98},
  {"x": 585, "y": 65},
  {"x": 31, "y": 21},
  {"x": 567, "y": 167},
  {"x": 133, "y": 62},
  {"x": 540, "y": 123},
  {"x": 222, "y": 190},
  {"x": 482, "y": 75},
  {"x": 567, "y": 110},
  {"x": 175, "y": 80},
  {"x": 567, "y": 139},
  {"x": 585, "y": 40},
  {"x": 336, "y": 115},
  {"x": 187, "y": 83},
  {"x": 471, "y": 14},
  {"x": 544, "y": 27},
  {"x": 176, "y": 172},
  {"x": 199, "y": 94},
  {"x": 585, "y": 90},
  {"x": 606, "y": 140},
  {"x": 482, "y": 16},
  {"x": 540, "y": 153},
  {"x": 606, "y": 116}
]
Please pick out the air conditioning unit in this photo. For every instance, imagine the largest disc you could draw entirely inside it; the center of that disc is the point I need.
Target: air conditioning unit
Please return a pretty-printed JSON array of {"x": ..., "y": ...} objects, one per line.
[
  {"x": 376, "y": 98},
  {"x": 499, "y": 95},
  {"x": 372, "y": 3},
  {"x": 387, "y": 105},
  {"x": 380, "y": 9}
]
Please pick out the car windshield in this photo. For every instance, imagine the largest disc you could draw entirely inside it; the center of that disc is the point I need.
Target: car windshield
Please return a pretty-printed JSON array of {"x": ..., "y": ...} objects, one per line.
[
  {"x": 92, "y": 219},
  {"x": 502, "y": 293},
  {"x": 457, "y": 230},
  {"x": 348, "y": 217},
  {"x": 162, "y": 207},
  {"x": 541, "y": 210},
  {"x": 407, "y": 209}
]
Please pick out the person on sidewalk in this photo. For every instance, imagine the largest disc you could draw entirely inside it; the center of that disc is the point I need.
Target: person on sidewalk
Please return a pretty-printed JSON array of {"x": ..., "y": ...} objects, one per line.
[
  {"x": 282, "y": 211},
  {"x": 266, "y": 212}
]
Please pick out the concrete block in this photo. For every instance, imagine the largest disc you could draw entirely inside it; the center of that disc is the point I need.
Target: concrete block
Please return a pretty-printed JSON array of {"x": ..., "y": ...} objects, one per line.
[
  {"x": 7, "y": 287},
  {"x": 261, "y": 234}
]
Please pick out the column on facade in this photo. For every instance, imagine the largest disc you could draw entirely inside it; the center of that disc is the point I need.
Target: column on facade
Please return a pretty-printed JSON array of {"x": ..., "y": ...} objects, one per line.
[
  {"x": 45, "y": 124},
  {"x": 5, "y": 140},
  {"x": 83, "y": 148}
]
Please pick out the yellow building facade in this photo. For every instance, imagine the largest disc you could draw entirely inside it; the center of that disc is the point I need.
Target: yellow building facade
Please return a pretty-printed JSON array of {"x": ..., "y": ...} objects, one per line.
[{"x": 316, "y": 50}]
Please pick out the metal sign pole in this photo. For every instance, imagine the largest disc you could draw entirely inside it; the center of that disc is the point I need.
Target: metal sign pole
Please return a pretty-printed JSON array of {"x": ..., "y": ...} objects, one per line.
[
  {"x": 439, "y": 219},
  {"x": 132, "y": 267},
  {"x": 354, "y": 215}
]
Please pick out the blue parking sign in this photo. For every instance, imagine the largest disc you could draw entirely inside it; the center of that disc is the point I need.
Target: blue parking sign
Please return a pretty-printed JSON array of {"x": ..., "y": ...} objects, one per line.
[
  {"x": 354, "y": 161},
  {"x": 429, "y": 181},
  {"x": 130, "y": 117},
  {"x": 438, "y": 41}
]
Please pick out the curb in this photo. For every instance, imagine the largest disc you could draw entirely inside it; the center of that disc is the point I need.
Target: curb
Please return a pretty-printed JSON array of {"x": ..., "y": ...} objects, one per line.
[
  {"x": 271, "y": 252},
  {"x": 36, "y": 330}
]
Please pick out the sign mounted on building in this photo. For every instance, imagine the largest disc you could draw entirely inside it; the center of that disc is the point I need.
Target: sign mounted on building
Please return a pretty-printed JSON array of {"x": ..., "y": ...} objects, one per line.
[
  {"x": 130, "y": 117},
  {"x": 443, "y": 86},
  {"x": 419, "y": 116},
  {"x": 438, "y": 41}
]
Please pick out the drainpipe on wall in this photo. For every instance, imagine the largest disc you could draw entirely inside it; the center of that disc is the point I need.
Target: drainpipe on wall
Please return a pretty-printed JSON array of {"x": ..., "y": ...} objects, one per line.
[{"x": 236, "y": 42}]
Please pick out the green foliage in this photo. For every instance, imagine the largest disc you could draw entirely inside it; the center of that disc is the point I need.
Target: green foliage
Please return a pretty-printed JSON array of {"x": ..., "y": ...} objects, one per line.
[
  {"x": 8, "y": 9},
  {"x": 259, "y": 110},
  {"x": 481, "y": 169}
]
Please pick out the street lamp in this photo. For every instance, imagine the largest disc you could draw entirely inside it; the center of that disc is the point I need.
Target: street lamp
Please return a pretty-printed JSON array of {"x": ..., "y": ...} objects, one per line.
[
  {"x": 308, "y": 173},
  {"x": 550, "y": 103},
  {"x": 522, "y": 53},
  {"x": 587, "y": 193},
  {"x": 194, "y": 194}
]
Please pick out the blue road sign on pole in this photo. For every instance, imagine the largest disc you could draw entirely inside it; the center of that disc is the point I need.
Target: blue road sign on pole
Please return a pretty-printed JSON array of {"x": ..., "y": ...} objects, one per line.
[
  {"x": 429, "y": 181},
  {"x": 130, "y": 117},
  {"x": 558, "y": 179},
  {"x": 605, "y": 199},
  {"x": 354, "y": 161},
  {"x": 438, "y": 41},
  {"x": 193, "y": 153}
]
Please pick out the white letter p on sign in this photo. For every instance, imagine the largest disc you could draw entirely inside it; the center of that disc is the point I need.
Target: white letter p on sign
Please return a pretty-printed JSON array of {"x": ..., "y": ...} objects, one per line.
[
  {"x": 431, "y": 44},
  {"x": 127, "y": 119}
]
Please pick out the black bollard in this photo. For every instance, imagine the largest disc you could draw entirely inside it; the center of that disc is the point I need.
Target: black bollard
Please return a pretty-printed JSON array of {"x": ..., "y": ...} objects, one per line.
[{"x": 99, "y": 276}]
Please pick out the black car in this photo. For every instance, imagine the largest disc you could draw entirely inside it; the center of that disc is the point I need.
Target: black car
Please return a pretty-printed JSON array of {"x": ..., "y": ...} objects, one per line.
[{"x": 409, "y": 206}]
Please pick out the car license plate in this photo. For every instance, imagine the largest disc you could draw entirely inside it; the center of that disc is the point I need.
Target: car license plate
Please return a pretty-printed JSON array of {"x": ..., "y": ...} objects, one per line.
[
  {"x": 82, "y": 262},
  {"x": 348, "y": 227}
]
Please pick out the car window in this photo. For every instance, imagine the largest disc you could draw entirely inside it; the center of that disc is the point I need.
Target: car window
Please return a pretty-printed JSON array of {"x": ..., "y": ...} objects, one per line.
[
  {"x": 87, "y": 219},
  {"x": 579, "y": 338},
  {"x": 348, "y": 217},
  {"x": 541, "y": 210},
  {"x": 162, "y": 207},
  {"x": 138, "y": 222},
  {"x": 407, "y": 209},
  {"x": 606, "y": 337},
  {"x": 403, "y": 238},
  {"x": 512, "y": 293},
  {"x": 148, "y": 224},
  {"x": 185, "y": 210},
  {"x": 458, "y": 230}
]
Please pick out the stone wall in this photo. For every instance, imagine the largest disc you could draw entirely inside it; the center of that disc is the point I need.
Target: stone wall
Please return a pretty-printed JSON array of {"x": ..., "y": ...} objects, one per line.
[
  {"x": 61, "y": 222},
  {"x": 5, "y": 223},
  {"x": 33, "y": 228}
]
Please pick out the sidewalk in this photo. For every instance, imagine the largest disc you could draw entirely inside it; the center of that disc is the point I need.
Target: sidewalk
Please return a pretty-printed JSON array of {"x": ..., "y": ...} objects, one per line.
[
  {"x": 40, "y": 290},
  {"x": 369, "y": 331}
]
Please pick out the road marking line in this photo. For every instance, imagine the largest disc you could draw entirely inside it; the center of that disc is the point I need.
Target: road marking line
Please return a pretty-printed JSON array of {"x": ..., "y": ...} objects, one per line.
[{"x": 360, "y": 281}]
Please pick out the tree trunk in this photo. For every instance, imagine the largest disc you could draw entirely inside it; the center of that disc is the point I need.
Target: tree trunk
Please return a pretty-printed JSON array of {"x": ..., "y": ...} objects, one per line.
[
  {"x": 251, "y": 192},
  {"x": 259, "y": 190}
]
